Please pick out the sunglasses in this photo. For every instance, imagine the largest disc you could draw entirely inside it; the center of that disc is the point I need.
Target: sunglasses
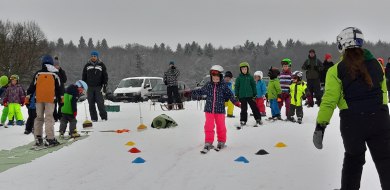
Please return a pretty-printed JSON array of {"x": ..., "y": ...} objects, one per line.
[{"x": 214, "y": 73}]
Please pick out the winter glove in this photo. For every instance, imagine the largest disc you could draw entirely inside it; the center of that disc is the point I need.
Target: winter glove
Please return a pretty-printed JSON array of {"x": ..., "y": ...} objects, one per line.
[
  {"x": 75, "y": 114},
  {"x": 318, "y": 135},
  {"x": 22, "y": 101},
  {"x": 238, "y": 104},
  {"x": 266, "y": 96},
  {"x": 5, "y": 102},
  {"x": 104, "y": 88},
  {"x": 27, "y": 100},
  {"x": 304, "y": 97},
  {"x": 279, "y": 98}
]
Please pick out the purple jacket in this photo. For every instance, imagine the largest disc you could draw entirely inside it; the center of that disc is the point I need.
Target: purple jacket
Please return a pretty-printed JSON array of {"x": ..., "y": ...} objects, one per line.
[{"x": 14, "y": 94}]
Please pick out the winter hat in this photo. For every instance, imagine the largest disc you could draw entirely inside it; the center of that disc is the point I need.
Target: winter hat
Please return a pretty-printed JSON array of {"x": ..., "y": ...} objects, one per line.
[
  {"x": 95, "y": 53},
  {"x": 327, "y": 56},
  {"x": 381, "y": 61},
  {"x": 3, "y": 80},
  {"x": 229, "y": 74},
  {"x": 47, "y": 59},
  {"x": 273, "y": 72},
  {"x": 259, "y": 73},
  {"x": 312, "y": 50},
  {"x": 172, "y": 63},
  {"x": 81, "y": 84}
]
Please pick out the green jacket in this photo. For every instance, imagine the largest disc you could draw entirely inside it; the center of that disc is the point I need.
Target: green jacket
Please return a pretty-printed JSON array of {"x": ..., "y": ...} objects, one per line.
[
  {"x": 351, "y": 94},
  {"x": 273, "y": 89},
  {"x": 245, "y": 86},
  {"x": 70, "y": 100}
]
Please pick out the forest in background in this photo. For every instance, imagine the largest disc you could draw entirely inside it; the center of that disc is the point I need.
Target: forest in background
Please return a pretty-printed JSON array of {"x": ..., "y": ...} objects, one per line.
[{"x": 23, "y": 44}]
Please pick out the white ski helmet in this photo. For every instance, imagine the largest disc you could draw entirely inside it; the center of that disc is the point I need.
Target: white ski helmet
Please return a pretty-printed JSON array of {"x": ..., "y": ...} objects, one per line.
[
  {"x": 350, "y": 37},
  {"x": 298, "y": 74},
  {"x": 217, "y": 68},
  {"x": 259, "y": 73}
]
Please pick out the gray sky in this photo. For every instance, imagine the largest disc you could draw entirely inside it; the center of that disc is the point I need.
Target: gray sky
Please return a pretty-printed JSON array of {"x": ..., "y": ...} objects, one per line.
[{"x": 221, "y": 22}]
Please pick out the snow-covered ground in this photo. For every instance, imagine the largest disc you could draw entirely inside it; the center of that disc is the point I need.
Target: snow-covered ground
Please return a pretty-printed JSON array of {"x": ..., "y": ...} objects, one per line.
[{"x": 173, "y": 160}]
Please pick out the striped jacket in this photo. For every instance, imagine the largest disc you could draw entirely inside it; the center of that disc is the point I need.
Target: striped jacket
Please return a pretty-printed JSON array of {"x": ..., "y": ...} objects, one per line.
[
  {"x": 171, "y": 76},
  {"x": 285, "y": 81}
]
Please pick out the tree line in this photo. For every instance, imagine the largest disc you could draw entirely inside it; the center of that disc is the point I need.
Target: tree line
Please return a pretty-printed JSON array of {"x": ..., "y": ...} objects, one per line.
[{"x": 22, "y": 44}]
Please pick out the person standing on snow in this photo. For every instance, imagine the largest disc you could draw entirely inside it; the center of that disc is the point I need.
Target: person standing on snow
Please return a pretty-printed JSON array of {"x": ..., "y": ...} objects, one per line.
[
  {"x": 96, "y": 77},
  {"x": 217, "y": 93},
  {"x": 285, "y": 81},
  {"x": 14, "y": 99},
  {"x": 313, "y": 68},
  {"x": 170, "y": 79},
  {"x": 356, "y": 85},
  {"x": 328, "y": 63},
  {"x": 46, "y": 86},
  {"x": 229, "y": 82},
  {"x": 387, "y": 71},
  {"x": 245, "y": 91},
  {"x": 61, "y": 73},
  {"x": 261, "y": 89}
]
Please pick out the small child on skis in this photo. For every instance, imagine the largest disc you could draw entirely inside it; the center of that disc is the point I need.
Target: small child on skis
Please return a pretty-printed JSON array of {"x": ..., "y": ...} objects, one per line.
[
  {"x": 32, "y": 114},
  {"x": 298, "y": 92},
  {"x": 228, "y": 80},
  {"x": 69, "y": 109},
  {"x": 217, "y": 93},
  {"x": 14, "y": 99},
  {"x": 3, "y": 87},
  {"x": 285, "y": 82},
  {"x": 274, "y": 93},
  {"x": 245, "y": 91},
  {"x": 261, "y": 88}
]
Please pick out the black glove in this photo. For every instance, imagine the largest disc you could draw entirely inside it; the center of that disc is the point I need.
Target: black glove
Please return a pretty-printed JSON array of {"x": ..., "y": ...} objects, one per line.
[
  {"x": 266, "y": 96},
  {"x": 104, "y": 88},
  {"x": 318, "y": 135},
  {"x": 304, "y": 97}
]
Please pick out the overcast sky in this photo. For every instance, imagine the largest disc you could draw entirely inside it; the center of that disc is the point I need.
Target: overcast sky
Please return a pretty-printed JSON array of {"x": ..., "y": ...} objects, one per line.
[{"x": 222, "y": 22}]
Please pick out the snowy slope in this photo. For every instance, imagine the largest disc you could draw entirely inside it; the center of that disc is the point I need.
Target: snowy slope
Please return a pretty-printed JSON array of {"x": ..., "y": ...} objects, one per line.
[{"x": 173, "y": 161}]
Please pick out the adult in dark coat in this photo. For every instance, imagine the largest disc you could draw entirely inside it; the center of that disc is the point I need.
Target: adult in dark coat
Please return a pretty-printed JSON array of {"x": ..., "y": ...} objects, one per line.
[
  {"x": 62, "y": 75},
  {"x": 170, "y": 79},
  {"x": 96, "y": 77},
  {"x": 313, "y": 68}
]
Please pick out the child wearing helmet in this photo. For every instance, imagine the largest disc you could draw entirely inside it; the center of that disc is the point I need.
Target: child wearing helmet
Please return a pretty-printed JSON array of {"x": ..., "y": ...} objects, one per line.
[
  {"x": 69, "y": 109},
  {"x": 274, "y": 92},
  {"x": 261, "y": 89},
  {"x": 3, "y": 87},
  {"x": 298, "y": 93},
  {"x": 285, "y": 81},
  {"x": 229, "y": 82},
  {"x": 14, "y": 99},
  {"x": 217, "y": 93},
  {"x": 245, "y": 91}
]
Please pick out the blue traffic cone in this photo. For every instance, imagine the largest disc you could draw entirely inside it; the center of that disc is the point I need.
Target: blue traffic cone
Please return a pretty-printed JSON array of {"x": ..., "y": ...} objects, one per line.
[
  {"x": 138, "y": 160},
  {"x": 242, "y": 159}
]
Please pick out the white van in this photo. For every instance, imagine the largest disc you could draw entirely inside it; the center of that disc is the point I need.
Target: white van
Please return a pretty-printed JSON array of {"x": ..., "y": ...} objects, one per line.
[{"x": 134, "y": 89}]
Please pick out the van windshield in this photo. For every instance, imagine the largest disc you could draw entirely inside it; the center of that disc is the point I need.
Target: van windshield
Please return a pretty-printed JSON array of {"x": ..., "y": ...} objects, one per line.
[
  {"x": 160, "y": 87},
  {"x": 130, "y": 83}
]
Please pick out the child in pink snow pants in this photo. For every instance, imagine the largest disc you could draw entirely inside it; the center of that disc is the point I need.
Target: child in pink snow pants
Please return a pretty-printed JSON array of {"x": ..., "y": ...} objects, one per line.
[{"x": 217, "y": 93}]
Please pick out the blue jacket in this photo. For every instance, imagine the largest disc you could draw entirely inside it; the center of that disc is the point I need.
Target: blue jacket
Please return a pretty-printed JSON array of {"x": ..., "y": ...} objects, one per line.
[
  {"x": 230, "y": 86},
  {"x": 261, "y": 88},
  {"x": 31, "y": 105},
  {"x": 215, "y": 104}
]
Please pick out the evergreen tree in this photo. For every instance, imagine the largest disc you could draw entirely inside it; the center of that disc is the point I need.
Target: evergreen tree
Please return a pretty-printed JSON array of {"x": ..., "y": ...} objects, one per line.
[
  {"x": 199, "y": 51},
  {"x": 104, "y": 44},
  {"x": 60, "y": 43},
  {"x": 179, "y": 49},
  {"x": 82, "y": 43},
  {"x": 279, "y": 45},
  {"x": 90, "y": 44}
]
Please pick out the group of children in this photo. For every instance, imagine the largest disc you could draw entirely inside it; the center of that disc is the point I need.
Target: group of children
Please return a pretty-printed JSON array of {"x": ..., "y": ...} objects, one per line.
[
  {"x": 284, "y": 87},
  {"x": 14, "y": 98}
]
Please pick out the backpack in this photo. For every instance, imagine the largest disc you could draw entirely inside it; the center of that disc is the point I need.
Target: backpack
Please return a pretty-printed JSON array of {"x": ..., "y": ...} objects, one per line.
[
  {"x": 45, "y": 87},
  {"x": 163, "y": 121}
]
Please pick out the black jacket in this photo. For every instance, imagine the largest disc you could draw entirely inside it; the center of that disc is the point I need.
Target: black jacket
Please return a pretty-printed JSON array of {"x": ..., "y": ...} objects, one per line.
[
  {"x": 61, "y": 73},
  {"x": 326, "y": 65},
  {"x": 95, "y": 74}
]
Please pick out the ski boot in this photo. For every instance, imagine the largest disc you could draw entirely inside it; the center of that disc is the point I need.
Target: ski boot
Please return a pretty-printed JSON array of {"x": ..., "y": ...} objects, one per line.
[
  {"x": 299, "y": 120},
  {"x": 20, "y": 122},
  {"x": 11, "y": 123},
  {"x": 207, "y": 147},
  {"x": 75, "y": 135},
  {"x": 51, "y": 142},
  {"x": 258, "y": 122},
  {"x": 230, "y": 116},
  {"x": 220, "y": 146},
  {"x": 292, "y": 119},
  {"x": 62, "y": 135},
  {"x": 38, "y": 141},
  {"x": 27, "y": 132},
  {"x": 242, "y": 124}
]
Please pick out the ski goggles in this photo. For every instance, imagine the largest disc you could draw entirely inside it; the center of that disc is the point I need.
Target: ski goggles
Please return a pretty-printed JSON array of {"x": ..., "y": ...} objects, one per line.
[{"x": 214, "y": 73}]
